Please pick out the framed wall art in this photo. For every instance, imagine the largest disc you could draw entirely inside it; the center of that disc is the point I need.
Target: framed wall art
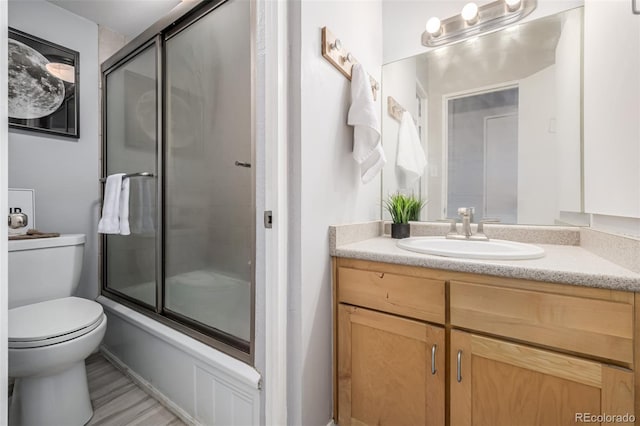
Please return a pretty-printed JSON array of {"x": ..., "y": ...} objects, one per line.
[{"x": 43, "y": 86}]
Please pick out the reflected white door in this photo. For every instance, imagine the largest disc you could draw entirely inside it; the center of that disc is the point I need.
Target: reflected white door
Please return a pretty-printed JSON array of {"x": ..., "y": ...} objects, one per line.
[
  {"x": 482, "y": 154},
  {"x": 501, "y": 167}
]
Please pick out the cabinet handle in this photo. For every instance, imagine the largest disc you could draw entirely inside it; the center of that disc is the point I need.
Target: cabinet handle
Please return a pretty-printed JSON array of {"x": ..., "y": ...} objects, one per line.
[
  {"x": 459, "y": 366},
  {"x": 433, "y": 359}
]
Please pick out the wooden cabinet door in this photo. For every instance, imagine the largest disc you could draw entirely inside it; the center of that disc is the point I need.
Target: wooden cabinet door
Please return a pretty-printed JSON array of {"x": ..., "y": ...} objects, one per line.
[
  {"x": 391, "y": 370},
  {"x": 498, "y": 383}
]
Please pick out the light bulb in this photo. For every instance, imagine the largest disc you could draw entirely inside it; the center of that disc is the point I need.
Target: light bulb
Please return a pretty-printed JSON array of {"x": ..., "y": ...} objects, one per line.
[
  {"x": 470, "y": 13},
  {"x": 434, "y": 27},
  {"x": 62, "y": 71},
  {"x": 512, "y": 5}
]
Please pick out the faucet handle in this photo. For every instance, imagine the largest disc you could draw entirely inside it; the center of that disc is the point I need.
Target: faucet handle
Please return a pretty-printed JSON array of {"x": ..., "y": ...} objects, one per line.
[
  {"x": 484, "y": 220},
  {"x": 466, "y": 211}
]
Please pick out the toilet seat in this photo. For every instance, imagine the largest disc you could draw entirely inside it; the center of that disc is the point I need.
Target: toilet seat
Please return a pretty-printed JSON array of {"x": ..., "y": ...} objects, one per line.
[{"x": 54, "y": 321}]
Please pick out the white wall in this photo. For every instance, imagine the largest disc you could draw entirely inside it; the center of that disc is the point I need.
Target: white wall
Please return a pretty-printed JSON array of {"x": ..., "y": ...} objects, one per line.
[
  {"x": 537, "y": 176},
  {"x": 404, "y": 21},
  {"x": 109, "y": 42},
  {"x": 399, "y": 80},
  {"x": 568, "y": 108},
  {"x": 325, "y": 187},
  {"x": 629, "y": 226},
  {"x": 611, "y": 109},
  {"x": 64, "y": 172}
]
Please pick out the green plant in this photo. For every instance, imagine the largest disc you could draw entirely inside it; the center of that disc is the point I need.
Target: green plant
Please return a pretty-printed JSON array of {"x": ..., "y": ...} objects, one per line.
[{"x": 404, "y": 208}]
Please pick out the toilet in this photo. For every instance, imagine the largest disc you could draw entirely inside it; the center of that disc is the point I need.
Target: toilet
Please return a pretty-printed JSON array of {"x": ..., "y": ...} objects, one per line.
[{"x": 50, "y": 332}]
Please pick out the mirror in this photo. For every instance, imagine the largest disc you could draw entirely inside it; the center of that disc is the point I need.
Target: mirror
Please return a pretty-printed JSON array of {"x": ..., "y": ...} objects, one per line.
[{"x": 499, "y": 118}]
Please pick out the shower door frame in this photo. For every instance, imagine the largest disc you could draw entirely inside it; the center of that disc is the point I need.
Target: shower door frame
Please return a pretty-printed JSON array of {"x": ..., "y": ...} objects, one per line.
[{"x": 179, "y": 19}]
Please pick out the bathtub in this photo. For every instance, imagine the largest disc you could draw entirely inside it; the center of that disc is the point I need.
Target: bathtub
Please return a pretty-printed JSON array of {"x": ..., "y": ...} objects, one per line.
[
  {"x": 198, "y": 383},
  {"x": 205, "y": 295}
]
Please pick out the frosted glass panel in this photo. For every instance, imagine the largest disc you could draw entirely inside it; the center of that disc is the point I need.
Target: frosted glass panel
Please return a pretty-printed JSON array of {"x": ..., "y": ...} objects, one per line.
[
  {"x": 208, "y": 212},
  {"x": 131, "y": 147}
]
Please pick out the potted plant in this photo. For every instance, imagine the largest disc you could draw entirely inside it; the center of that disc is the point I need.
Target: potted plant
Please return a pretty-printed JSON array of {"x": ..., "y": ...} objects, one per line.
[{"x": 402, "y": 209}]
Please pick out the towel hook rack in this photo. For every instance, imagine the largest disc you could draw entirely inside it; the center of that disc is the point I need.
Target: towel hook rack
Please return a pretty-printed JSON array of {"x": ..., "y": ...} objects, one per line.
[
  {"x": 394, "y": 108},
  {"x": 334, "y": 52},
  {"x": 129, "y": 175}
]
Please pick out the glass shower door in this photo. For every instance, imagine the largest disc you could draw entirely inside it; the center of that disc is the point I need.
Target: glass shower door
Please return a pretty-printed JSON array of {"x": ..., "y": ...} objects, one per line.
[
  {"x": 208, "y": 178},
  {"x": 131, "y": 147}
]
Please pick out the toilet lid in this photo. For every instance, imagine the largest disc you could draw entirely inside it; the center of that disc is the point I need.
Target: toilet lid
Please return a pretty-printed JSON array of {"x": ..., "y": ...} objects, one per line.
[{"x": 47, "y": 321}]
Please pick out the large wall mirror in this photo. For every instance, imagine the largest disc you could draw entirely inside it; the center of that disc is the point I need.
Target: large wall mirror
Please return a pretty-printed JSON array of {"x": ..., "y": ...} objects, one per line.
[{"x": 499, "y": 118}]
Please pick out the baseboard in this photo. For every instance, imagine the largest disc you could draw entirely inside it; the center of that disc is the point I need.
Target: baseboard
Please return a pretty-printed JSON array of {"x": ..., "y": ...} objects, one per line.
[
  {"x": 148, "y": 388},
  {"x": 331, "y": 423}
]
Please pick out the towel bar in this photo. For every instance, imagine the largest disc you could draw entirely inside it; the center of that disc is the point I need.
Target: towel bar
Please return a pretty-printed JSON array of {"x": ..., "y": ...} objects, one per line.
[{"x": 138, "y": 174}]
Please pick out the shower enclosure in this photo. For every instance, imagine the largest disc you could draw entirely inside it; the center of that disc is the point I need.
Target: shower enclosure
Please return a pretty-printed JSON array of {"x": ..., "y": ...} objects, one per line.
[{"x": 178, "y": 119}]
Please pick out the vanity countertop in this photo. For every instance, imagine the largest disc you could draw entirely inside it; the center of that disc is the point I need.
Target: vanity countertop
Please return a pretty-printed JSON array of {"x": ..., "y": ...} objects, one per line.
[{"x": 566, "y": 264}]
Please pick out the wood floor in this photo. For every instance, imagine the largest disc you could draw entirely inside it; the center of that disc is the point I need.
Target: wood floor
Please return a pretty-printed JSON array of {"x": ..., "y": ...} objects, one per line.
[{"x": 117, "y": 401}]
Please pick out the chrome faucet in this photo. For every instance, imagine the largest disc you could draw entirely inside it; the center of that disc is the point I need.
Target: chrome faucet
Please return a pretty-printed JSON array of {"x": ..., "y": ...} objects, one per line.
[{"x": 466, "y": 213}]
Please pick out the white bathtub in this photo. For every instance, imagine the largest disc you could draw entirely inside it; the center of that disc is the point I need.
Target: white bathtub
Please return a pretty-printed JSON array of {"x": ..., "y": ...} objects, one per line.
[{"x": 201, "y": 384}]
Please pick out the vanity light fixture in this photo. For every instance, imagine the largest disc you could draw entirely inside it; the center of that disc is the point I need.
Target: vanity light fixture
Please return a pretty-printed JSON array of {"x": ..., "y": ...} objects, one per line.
[
  {"x": 512, "y": 5},
  {"x": 434, "y": 27},
  {"x": 470, "y": 13},
  {"x": 474, "y": 20}
]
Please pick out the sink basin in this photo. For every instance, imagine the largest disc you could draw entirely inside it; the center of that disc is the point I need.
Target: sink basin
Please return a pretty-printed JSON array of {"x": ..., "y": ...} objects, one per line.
[{"x": 469, "y": 249}]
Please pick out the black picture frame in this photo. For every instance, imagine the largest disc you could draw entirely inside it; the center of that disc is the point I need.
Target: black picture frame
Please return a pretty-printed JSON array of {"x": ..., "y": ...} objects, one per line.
[{"x": 44, "y": 92}]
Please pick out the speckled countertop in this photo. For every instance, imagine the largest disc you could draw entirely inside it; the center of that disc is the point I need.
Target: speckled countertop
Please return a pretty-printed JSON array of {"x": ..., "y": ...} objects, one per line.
[{"x": 568, "y": 264}]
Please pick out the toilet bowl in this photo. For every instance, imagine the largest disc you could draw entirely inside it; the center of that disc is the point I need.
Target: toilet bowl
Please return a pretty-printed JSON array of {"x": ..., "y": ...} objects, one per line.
[
  {"x": 48, "y": 343},
  {"x": 50, "y": 334}
]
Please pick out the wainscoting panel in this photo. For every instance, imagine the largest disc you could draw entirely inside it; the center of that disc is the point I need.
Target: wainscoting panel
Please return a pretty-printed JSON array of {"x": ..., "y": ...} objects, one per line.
[{"x": 201, "y": 384}]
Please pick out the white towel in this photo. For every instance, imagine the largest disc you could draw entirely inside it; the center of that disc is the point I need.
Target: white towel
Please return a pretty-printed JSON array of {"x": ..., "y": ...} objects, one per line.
[
  {"x": 110, "y": 221},
  {"x": 124, "y": 208},
  {"x": 410, "y": 159},
  {"x": 142, "y": 206},
  {"x": 367, "y": 149}
]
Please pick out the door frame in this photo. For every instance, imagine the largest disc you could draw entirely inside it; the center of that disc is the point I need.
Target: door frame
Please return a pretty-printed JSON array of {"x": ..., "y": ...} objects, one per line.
[
  {"x": 272, "y": 73},
  {"x": 4, "y": 206}
]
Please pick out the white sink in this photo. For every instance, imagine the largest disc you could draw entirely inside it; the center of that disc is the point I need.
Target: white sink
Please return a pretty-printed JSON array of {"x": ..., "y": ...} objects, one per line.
[{"x": 469, "y": 249}]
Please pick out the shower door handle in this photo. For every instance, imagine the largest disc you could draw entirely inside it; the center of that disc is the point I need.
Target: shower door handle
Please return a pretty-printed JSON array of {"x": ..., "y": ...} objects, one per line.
[{"x": 242, "y": 164}]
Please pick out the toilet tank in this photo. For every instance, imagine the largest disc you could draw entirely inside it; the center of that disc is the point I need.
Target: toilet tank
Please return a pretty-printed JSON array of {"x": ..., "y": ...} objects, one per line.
[{"x": 44, "y": 268}]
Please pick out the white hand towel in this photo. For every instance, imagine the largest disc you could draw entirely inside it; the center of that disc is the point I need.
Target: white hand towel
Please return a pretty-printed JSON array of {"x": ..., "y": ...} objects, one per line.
[
  {"x": 110, "y": 221},
  {"x": 410, "y": 160},
  {"x": 367, "y": 149},
  {"x": 124, "y": 208}
]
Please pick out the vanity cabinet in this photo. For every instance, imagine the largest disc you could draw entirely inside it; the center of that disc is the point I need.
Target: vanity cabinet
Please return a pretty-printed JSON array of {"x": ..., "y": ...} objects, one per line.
[
  {"x": 417, "y": 346},
  {"x": 390, "y": 369},
  {"x": 496, "y": 382},
  {"x": 390, "y": 348}
]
